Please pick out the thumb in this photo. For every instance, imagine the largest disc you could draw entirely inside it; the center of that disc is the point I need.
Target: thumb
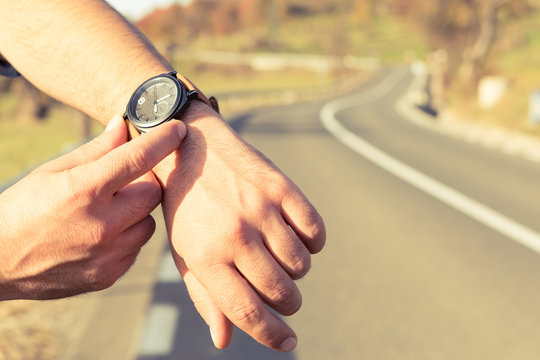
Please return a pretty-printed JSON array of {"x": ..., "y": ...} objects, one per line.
[
  {"x": 221, "y": 328},
  {"x": 114, "y": 135},
  {"x": 130, "y": 161}
]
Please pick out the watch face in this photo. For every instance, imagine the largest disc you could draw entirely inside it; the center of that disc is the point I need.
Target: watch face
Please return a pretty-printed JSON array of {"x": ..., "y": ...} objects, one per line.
[{"x": 155, "y": 101}]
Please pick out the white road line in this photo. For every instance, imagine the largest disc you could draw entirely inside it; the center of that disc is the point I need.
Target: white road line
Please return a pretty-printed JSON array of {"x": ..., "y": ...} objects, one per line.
[
  {"x": 483, "y": 214},
  {"x": 162, "y": 319},
  {"x": 161, "y": 324}
]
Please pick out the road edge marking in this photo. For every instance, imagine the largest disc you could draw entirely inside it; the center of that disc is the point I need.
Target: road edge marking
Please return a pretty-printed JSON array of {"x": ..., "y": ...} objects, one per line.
[
  {"x": 160, "y": 330},
  {"x": 456, "y": 200}
]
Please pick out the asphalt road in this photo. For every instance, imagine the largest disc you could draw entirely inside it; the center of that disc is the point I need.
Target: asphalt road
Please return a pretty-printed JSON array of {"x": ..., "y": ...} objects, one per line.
[{"x": 406, "y": 273}]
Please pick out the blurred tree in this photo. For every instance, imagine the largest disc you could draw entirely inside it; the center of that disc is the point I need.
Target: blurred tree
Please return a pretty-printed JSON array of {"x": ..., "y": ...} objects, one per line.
[
  {"x": 363, "y": 11},
  {"x": 281, "y": 9},
  {"x": 250, "y": 12},
  {"x": 224, "y": 17},
  {"x": 466, "y": 29},
  {"x": 214, "y": 17},
  {"x": 339, "y": 35},
  {"x": 164, "y": 29},
  {"x": 489, "y": 14}
]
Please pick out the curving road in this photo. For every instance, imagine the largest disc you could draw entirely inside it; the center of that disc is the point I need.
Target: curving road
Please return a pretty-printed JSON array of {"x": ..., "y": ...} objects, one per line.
[{"x": 432, "y": 242}]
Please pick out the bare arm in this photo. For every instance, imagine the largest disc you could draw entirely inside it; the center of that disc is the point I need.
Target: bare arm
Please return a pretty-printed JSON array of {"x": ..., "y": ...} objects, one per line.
[
  {"x": 83, "y": 53},
  {"x": 240, "y": 230},
  {"x": 85, "y": 230}
]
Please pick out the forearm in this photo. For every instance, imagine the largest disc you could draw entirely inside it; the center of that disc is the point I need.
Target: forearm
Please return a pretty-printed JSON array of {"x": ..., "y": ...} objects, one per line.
[{"x": 81, "y": 52}]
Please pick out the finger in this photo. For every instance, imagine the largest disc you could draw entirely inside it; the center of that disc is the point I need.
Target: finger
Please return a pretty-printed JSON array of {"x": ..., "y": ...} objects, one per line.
[
  {"x": 306, "y": 222},
  {"x": 287, "y": 249},
  {"x": 221, "y": 328},
  {"x": 136, "y": 200},
  {"x": 235, "y": 297},
  {"x": 267, "y": 277},
  {"x": 114, "y": 136},
  {"x": 120, "y": 268},
  {"x": 120, "y": 254},
  {"x": 131, "y": 160},
  {"x": 134, "y": 237}
]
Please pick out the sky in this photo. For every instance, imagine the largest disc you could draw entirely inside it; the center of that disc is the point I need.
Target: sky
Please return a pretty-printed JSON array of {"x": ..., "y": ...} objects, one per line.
[{"x": 135, "y": 9}]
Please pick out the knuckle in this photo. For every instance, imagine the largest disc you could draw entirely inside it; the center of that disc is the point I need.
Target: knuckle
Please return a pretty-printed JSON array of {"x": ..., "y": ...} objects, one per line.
[
  {"x": 283, "y": 296},
  {"x": 281, "y": 187},
  {"x": 138, "y": 160},
  {"x": 238, "y": 226},
  {"x": 240, "y": 234},
  {"x": 99, "y": 278},
  {"x": 146, "y": 229},
  {"x": 301, "y": 266},
  {"x": 247, "y": 314},
  {"x": 143, "y": 205},
  {"x": 149, "y": 226},
  {"x": 96, "y": 238},
  {"x": 316, "y": 232}
]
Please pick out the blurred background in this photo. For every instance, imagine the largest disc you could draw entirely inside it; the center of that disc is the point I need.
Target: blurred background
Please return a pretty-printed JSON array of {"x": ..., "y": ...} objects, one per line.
[
  {"x": 286, "y": 50},
  {"x": 468, "y": 67}
]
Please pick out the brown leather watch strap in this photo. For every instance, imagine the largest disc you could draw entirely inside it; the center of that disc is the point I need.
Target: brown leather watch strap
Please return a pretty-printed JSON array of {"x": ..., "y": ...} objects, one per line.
[
  {"x": 132, "y": 130},
  {"x": 212, "y": 101}
]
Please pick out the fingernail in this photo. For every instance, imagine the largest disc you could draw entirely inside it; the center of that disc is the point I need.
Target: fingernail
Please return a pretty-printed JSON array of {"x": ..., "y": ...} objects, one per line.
[
  {"x": 114, "y": 123},
  {"x": 213, "y": 337},
  {"x": 288, "y": 345}
]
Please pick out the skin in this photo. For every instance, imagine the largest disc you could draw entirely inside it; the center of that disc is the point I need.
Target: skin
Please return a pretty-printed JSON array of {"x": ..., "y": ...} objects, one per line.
[
  {"x": 86, "y": 230},
  {"x": 241, "y": 232}
]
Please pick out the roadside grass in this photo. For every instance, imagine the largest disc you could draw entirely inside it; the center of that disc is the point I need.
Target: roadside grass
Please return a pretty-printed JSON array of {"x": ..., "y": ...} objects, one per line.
[
  {"x": 389, "y": 39},
  {"x": 386, "y": 37},
  {"x": 24, "y": 145},
  {"x": 232, "y": 80}
]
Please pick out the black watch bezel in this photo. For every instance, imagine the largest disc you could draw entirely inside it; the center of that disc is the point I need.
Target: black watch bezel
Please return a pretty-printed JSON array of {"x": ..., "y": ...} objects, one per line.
[{"x": 179, "y": 104}]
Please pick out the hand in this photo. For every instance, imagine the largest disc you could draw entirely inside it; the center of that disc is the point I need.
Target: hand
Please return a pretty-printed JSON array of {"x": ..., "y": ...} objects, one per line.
[
  {"x": 240, "y": 232},
  {"x": 76, "y": 223}
]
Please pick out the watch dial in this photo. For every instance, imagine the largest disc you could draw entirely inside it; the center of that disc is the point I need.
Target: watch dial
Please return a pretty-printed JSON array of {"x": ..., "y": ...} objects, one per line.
[{"x": 155, "y": 101}]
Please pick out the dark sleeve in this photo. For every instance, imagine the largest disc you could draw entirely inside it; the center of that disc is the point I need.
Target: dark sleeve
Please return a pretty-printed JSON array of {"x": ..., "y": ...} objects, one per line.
[{"x": 6, "y": 69}]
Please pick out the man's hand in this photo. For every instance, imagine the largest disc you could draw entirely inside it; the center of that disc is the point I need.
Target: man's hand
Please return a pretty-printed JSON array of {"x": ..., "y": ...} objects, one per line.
[
  {"x": 77, "y": 223},
  {"x": 240, "y": 232}
]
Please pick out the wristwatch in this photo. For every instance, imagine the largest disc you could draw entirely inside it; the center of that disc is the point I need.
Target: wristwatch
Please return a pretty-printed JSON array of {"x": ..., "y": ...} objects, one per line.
[{"x": 160, "y": 99}]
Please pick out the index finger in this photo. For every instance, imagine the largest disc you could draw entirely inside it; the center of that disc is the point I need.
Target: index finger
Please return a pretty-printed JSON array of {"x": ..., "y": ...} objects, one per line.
[
  {"x": 130, "y": 161},
  {"x": 304, "y": 219},
  {"x": 238, "y": 301}
]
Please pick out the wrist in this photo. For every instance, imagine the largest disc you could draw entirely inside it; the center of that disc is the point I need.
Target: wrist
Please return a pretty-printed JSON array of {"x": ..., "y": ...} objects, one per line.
[{"x": 201, "y": 120}]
